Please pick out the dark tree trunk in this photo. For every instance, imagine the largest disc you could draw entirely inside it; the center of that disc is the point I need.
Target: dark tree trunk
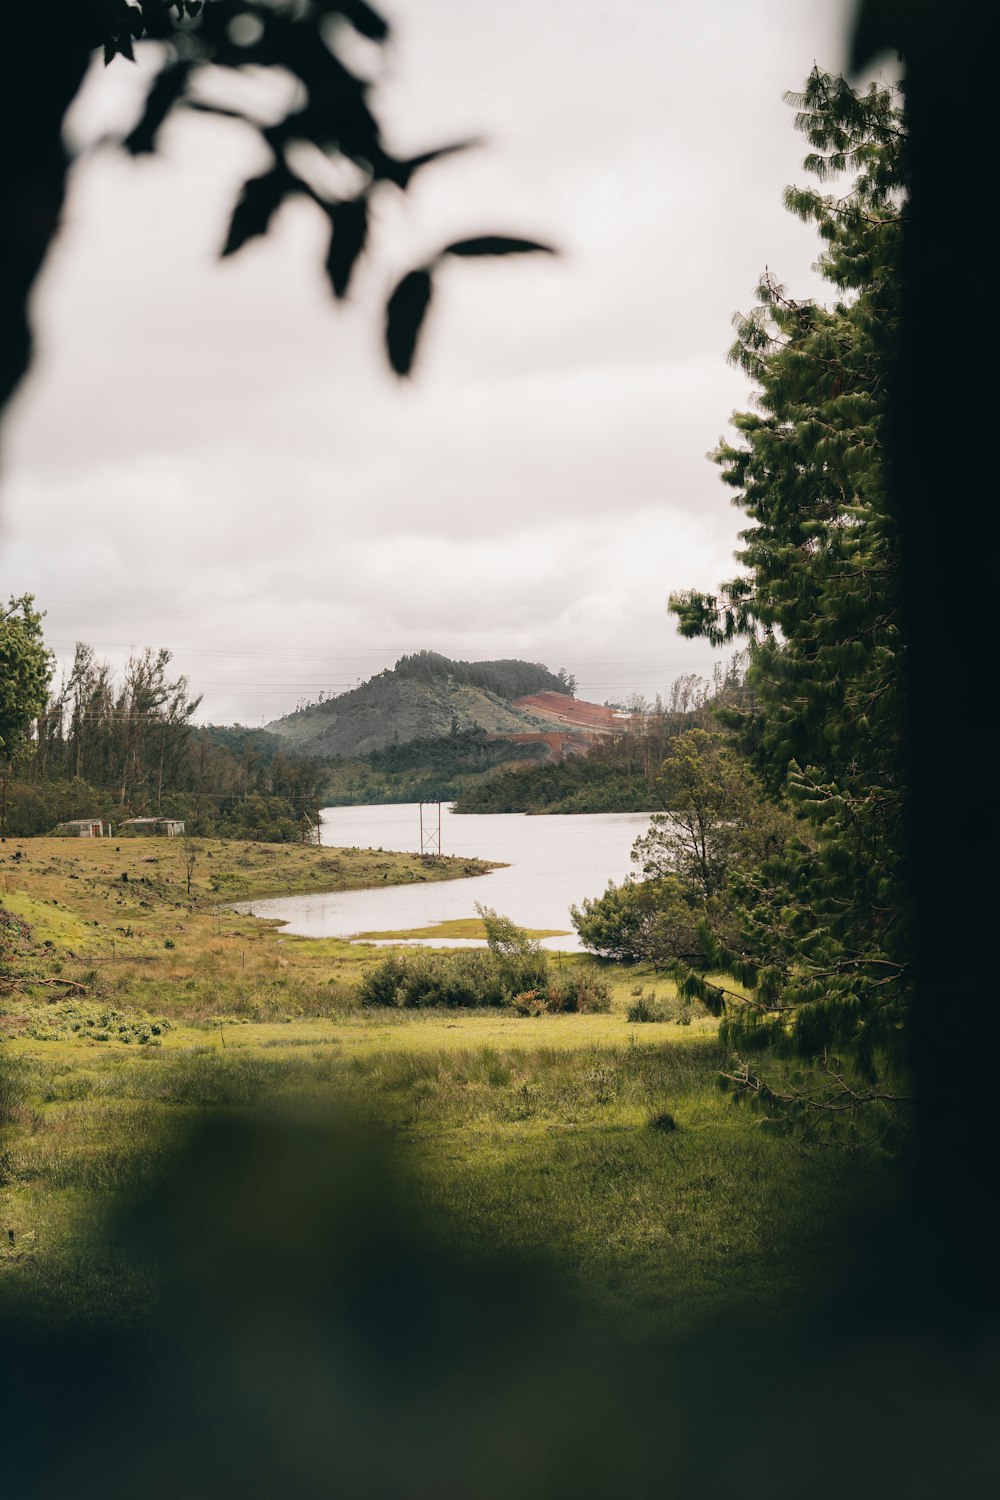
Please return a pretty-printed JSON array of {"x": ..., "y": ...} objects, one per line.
[{"x": 942, "y": 495}]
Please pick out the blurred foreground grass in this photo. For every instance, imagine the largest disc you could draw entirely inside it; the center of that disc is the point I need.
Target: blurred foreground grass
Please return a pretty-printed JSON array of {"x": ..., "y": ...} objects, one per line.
[
  {"x": 256, "y": 1240},
  {"x": 134, "y": 1013},
  {"x": 616, "y": 1159}
]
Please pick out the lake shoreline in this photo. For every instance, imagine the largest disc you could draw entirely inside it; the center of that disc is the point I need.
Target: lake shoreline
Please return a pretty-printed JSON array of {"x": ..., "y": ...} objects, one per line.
[{"x": 540, "y": 868}]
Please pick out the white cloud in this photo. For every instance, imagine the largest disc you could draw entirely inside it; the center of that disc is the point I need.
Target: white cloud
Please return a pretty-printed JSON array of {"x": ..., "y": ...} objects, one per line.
[{"x": 213, "y": 458}]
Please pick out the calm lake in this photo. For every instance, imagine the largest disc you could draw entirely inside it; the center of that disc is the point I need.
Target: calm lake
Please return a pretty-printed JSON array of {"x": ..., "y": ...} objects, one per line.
[{"x": 553, "y": 862}]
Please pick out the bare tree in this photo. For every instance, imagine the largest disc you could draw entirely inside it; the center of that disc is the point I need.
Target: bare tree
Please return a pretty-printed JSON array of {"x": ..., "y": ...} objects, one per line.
[{"x": 190, "y": 849}]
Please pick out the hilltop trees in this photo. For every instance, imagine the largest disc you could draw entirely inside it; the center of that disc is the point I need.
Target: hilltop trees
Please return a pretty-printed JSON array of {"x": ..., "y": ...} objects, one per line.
[
  {"x": 508, "y": 678},
  {"x": 820, "y": 944}
]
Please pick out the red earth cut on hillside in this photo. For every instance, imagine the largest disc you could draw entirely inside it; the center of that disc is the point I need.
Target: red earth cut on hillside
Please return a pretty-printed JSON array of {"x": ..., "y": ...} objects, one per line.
[{"x": 575, "y": 714}]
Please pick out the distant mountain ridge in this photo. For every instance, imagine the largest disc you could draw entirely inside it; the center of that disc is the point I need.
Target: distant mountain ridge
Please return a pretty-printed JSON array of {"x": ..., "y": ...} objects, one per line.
[{"x": 428, "y": 695}]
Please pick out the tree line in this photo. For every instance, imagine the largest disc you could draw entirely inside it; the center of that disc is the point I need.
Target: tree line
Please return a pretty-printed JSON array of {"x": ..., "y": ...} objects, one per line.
[
  {"x": 125, "y": 745},
  {"x": 507, "y": 677}
]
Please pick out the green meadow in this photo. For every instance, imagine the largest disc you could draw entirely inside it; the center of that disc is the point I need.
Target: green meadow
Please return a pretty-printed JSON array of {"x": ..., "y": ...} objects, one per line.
[{"x": 134, "y": 1014}]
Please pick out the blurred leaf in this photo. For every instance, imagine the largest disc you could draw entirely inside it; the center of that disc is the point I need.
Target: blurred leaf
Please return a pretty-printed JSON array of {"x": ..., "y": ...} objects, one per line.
[
  {"x": 205, "y": 108},
  {"x": 404, "y": 316},
  {"x": 496, "y": 244},
  {"x": 120, "y": 45},
  {"x": 164, "y": 93},
  {"x": 257, "y": 203},
  {"x": 157, "y": 20},
  {"x": 401, "y": 172},
  {"x": 350, "y": 231},
  {"x": 363, "y": 18}
]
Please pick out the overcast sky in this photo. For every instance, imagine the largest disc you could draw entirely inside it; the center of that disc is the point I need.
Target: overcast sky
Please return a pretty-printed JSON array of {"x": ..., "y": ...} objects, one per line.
[{"x": 213, "y": 458}]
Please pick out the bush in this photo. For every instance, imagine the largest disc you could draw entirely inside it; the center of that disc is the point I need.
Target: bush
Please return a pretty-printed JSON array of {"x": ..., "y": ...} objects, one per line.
[
  {"x": 578, "y": 993},
  {"x": 640, "y": 920},
  {"x": 677, "y": 1008},
  {"x": 648, "y": 1008},
  {"x": 473, "y": 978},
  {"x": 511, "y": 970}
]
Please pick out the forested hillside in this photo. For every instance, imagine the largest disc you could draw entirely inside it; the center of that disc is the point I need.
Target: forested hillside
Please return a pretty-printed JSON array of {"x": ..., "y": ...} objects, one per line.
[
  {"x": 435, "y": 768},
  {"x": 424, "y": 696},
  {"x": 118, "y": 746},
  {"x": 622, "y": 769}
]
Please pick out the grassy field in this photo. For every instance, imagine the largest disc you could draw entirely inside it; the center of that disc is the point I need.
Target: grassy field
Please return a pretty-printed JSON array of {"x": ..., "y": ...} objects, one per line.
[
  {"x": 116, "y": 923},
  {"x": 459, "y": 927},
  {"x": 132, "y": 1014}
]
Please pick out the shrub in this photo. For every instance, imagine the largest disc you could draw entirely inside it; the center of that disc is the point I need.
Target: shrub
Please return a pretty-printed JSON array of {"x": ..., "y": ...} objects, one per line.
[
  {"x": 579, "y": 992},
  {"x": 679, "y": 1008},
  {"x": 473, "y": 978},
  {"x": 592, "y": 994},
  {"x": 383, "y": 985},
  {"x": 652, "y": 921},
  {"x": 648, "y": 1008},
  {"x": 510, "y": 965},
  {"x": 511, "y": 970}
]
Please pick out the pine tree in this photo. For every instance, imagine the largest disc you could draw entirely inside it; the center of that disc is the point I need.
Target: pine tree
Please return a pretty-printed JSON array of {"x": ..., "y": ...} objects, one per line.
[{"x": 821, "y": 929}]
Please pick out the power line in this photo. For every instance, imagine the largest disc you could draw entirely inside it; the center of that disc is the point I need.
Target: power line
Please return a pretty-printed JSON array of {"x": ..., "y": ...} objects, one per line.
[
  {"x": 227, "y": 651},
  {"x": 631, "y": 664}
]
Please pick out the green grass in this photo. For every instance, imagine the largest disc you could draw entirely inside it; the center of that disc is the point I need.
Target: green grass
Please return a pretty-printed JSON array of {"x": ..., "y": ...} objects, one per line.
[
  {"x": 460, "y": 927},
  {"x": 131, "y": 1015},
  {"x": 530, "y": 1136},
  {"x": 96, "y": 876},
  {"x": 114, "y": 923}
]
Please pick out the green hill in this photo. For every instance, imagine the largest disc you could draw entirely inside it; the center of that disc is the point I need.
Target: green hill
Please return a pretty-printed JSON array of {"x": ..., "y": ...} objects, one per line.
[{"x": 424, "y": 696}]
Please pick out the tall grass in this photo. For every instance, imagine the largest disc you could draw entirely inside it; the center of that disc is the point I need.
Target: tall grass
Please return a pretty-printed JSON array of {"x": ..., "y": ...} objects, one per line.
[{"x": 553, "y": 1150}]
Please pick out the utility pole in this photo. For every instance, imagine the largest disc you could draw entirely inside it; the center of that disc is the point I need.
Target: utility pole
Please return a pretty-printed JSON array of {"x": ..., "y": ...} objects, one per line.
[{"x": 430, "y": 829}]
